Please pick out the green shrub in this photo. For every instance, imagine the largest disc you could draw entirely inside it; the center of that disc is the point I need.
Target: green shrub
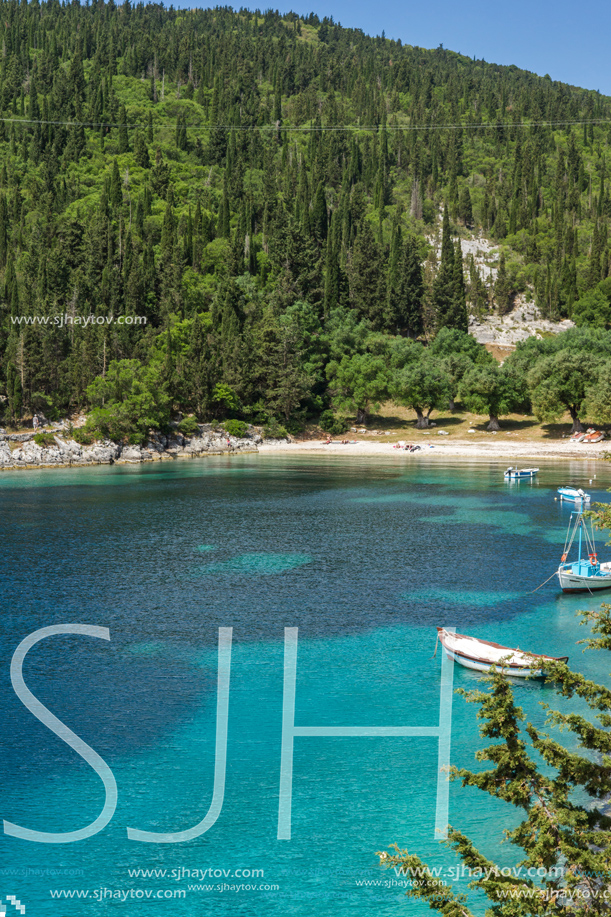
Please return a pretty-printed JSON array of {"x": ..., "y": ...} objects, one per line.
[
  {"x": 257, "y": 413},
  {"x": 235, "y": 427},
  {"x": 44, "y": 439},
  {"x": 594, "y": 307},
  {"x": 80, "y": 435},
  {"x": 295, "y": 425},
  {"x": 188, "y": 426},
  {"x": 127, "y": 402},
  {"x": 274, "y": 430},
  {"x": 224, "y": 399},
  {"x": 330, "y": 423}
]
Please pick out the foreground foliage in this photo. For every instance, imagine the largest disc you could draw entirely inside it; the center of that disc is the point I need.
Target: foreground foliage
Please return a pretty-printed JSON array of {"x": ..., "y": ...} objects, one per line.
[{"x": 561, "y": 794}]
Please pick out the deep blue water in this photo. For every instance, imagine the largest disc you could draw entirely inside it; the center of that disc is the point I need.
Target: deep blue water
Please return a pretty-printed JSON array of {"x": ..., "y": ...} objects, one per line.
[{"x": 365, "y": 557}]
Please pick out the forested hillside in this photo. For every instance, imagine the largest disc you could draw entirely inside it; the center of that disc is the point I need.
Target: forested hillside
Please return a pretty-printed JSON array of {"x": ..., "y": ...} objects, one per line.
[{"x": 242, "y": 206}]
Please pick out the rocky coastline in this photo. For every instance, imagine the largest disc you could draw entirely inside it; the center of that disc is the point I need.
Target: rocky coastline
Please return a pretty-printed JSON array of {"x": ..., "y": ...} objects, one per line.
[{"x": 19, "y": 450}]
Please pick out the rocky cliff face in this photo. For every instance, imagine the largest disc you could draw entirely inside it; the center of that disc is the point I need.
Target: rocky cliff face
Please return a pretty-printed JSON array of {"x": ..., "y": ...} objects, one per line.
[{"x": 209, "y": 441}]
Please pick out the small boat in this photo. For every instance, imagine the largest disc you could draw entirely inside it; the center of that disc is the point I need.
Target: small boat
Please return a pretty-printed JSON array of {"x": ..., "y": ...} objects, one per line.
[
  {"x": 577, "y": 437},
  {"x": 573, "y": 495},
  {"x": 516, "y": 473},
  {"x": 583, "y": 574},
  {"x": 481, "y": 655},
  {"x": 594, "y": 436}
]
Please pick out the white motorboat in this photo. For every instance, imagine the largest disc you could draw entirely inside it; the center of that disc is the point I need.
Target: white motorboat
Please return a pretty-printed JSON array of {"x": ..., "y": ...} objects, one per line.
[
  {"x": 573, "y": 495},
  {"x": 517, "y": 473}
]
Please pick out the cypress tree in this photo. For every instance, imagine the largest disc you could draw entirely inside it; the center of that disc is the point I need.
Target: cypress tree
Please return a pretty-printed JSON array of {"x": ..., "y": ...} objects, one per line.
[
  {"x": 198, "y": 231},
  {"x": 223, "y": 224},
  {"x": 394, "y": 265},
  {"x": 123, "y": 135},
  {"x": 502, "y": 288},
  {"x": 594, "y": 270},
  {"x": 461, "y": 318},
  {"x": 141, "y": 153},
  {"x": 412, "y": 287},
  {"x": 366, "y": 278},
  {"x": 332, "y": 266},
  {"x": 115, "y": 192},
  {"x": 319, "y": 218},
  {"x": 405, "y": 286},
  {"x": 443, "y": 292},
  {"x": 465, "y": 209},
  {"x": 168, "y": 230},
  {"x": 17, "y": 399}
]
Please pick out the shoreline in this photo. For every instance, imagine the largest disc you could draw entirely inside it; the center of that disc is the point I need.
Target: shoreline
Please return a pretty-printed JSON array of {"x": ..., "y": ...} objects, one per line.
[
  {"x": 122, "y": 462},
  {"x": 507, "y": 451},
  {"x": 67, "y": 453}
]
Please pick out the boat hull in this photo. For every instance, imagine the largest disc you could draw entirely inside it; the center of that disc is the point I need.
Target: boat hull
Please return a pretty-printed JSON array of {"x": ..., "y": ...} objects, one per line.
[
  {"x": 523, "y": 473},
  {"x": 572, "y": 582},
  {"x": 477, "y": 666},
  {"x": 568, "y": 495},
  {"x": 585, "y": 577},
  {"x": 483, "y": 655}
]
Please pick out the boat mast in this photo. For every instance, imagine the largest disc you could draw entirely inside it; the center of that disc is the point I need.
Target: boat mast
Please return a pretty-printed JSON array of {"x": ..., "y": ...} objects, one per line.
[{"x": 580, "y": 517}]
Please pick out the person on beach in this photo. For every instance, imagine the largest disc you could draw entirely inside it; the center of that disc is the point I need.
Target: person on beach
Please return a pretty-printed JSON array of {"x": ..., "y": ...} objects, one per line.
[{"x": 35, "y": 422}]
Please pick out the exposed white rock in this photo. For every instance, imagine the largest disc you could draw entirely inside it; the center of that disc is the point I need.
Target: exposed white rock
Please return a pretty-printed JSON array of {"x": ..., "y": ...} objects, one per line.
[
  {"x": 68, "y": 452},
  {"x": 522, "y": 322}
]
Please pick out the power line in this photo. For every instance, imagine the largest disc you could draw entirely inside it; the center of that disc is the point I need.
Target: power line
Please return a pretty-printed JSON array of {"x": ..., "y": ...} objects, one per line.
[{"x": 319, "y": 128}]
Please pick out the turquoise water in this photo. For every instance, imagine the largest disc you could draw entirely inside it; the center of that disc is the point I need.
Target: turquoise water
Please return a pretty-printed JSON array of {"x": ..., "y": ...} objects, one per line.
[{"x": 365, "y": 558}]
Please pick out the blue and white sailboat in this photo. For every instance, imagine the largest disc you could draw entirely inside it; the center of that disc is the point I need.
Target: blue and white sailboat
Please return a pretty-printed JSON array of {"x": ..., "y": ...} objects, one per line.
[{"x": 585, "y": 574}]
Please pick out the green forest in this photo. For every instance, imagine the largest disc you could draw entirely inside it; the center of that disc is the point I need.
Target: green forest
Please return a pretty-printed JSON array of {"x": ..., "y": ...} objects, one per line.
[{"x": 232, "y": 214}]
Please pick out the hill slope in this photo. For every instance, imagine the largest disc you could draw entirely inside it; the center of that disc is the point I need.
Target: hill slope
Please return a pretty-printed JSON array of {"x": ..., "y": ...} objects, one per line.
[{"x": 238, "y": 201}]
